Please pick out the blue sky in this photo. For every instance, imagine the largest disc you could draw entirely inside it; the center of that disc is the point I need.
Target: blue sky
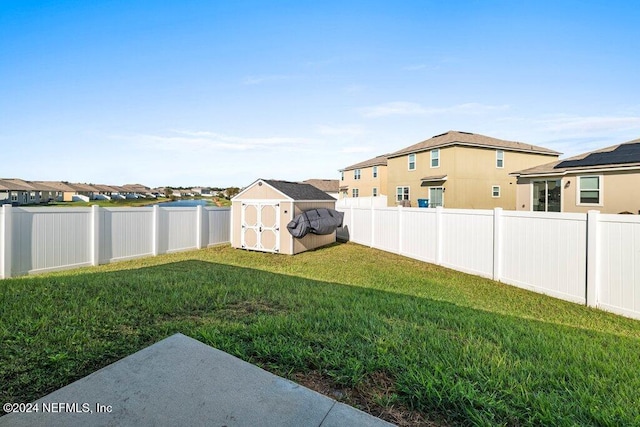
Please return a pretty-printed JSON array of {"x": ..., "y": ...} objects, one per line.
[{"x": 221, "y": 93}]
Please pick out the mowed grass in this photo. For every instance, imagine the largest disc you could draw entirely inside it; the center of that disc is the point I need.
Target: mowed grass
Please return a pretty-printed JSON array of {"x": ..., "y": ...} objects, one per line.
[{"x": 453, "y": 347}]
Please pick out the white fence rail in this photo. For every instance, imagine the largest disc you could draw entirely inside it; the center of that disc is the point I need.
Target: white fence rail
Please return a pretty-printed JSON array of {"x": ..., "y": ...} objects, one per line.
[
  {"x": 362, "y": 202},
  {"x": 35, "y": 240},
  {"x": 592, "y": 259}
]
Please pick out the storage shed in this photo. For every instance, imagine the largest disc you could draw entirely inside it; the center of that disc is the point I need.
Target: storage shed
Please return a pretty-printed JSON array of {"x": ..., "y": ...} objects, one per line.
[{"x": 261, "y": 212}]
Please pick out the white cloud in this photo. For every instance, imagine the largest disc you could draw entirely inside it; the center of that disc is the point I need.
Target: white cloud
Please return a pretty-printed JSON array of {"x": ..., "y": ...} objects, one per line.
[
  {"x": 185, "y": 140},
  {"x": 591, "y": 124},
  {"x": 414, "y": 109}
]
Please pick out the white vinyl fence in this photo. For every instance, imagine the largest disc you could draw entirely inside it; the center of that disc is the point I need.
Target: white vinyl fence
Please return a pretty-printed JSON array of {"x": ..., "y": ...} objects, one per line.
[
  {"x": 591, "y": 259},
  {"x": 362, "y": 202},
  {"x": 35, "y": 240}
]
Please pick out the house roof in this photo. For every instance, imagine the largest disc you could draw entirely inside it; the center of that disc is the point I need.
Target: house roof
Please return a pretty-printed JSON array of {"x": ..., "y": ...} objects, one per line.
[
  {"x": 83, "y": 187},
  {"x": 16, "y": 184},
  {"x": 376, "y": 161},
  {"x": 326, "y": 185},
  {"x": 50, "y": 186},
  {"x": 620, "y": 156},
  {"x": 136, "y": 188},
  {"x": 299, "y": 191},
  {"x": 471, "y": 139}
]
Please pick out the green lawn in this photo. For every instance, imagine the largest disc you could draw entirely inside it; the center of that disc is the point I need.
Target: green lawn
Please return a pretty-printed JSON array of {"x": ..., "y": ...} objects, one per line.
[{"x": 403, "y": 339}]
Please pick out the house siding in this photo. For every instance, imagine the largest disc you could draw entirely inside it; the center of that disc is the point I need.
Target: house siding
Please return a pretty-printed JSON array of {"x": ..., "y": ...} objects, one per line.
[
  {"x": 471, "y": 174},
  {"x": 620, "y": 192},
  {"x": 367, "y": 182}
]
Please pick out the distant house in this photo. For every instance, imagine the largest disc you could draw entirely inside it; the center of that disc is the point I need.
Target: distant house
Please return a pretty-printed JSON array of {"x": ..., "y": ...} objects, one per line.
[
  {"x": 202, "y": 191},
  {"x": 460, "y": 170},
  {"x": 364, "y": 179},
  {"x": 53, "y": 190},
  {"x": 329, "y": 186},
  {"x": 607, "y": 180},
  {"x": 19, "y": 192},
  {"x": 135, "y": 191}
]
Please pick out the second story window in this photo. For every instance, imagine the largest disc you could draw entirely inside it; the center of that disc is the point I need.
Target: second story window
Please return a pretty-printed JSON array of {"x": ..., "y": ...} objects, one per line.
[
  {"x": 374, "y": 193},
  {"x": 412, "y": 162},
  {"x": 435, "y": 158},
  {"x": 356, "y": 174},
  {"x": 499, "y": 158},
  {"x": 375, "y": 171},
  {"x": 341, "y": 175}
]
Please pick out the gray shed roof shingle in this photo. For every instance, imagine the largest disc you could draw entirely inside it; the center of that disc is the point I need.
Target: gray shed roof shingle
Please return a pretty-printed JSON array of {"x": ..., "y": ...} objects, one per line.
[{"x": 298, "y": 191}]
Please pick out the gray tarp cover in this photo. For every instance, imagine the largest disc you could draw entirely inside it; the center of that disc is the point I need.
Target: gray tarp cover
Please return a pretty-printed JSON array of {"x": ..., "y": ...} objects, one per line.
[{"x": 316, "y": 221}]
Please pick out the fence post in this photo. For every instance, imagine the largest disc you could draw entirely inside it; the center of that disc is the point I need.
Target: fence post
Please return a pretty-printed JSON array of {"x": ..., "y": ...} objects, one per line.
[
  {"x": 155, "y": 231},
  {"x": 497, "y": 244},
  {"x": 199, "y": 227},
  {"x": 592, "y": 285},
  {"x": 7, "y": 231},
  {"x": 94, "y": 245},
  {"x": 400, "y": 231},
  {"x": 439, "y": 235}
]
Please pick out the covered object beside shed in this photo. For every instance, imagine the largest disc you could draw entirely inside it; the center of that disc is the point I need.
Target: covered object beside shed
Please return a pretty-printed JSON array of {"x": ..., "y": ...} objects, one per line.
[{"x": 261, "y": 212}]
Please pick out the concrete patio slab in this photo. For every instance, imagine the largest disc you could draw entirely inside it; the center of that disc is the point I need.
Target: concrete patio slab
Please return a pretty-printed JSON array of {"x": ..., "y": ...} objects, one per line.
[{"x": 181, "y": 381}]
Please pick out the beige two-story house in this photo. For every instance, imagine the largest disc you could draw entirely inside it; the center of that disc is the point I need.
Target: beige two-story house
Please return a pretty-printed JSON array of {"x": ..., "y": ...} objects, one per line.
[
  {"x": 365, "y": 179},
  {"x": 607, "y": 180},
  {"x": 460, "y": 170}
]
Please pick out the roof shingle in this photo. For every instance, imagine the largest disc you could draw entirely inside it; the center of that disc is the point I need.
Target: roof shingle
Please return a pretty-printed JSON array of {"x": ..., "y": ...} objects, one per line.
[{"x": 466, "y": 138}]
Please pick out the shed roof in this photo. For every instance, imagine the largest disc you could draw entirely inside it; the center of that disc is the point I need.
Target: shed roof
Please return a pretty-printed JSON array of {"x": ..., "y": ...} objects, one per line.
[
  {"x": 471, "y": 139},
  {"x": 299, "y": 191}
]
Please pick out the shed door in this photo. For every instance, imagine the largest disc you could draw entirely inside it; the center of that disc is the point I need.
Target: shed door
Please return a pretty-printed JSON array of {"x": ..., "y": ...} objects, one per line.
[{"x": 260, "y": 226}]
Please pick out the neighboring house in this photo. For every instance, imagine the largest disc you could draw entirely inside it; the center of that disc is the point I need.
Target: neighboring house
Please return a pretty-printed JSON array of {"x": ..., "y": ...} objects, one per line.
[
  {"x": 364, "y": 179},
  {"x": 329, "y": 186},
  {"x": 83, "y": 192},
  {"x": 18, "y": 192},
  {"x": 607, "y": 180},
  {"x": 460, "y": 170},
  {"x": 134, "y": 191},
  {"x": 202, "y": 191}
]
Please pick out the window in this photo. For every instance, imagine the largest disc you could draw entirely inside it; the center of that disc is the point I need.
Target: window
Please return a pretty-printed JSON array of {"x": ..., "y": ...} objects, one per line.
[
  {"x": 374, "y": 192},
  {"x": 495, "y": 191},
  {"x": 356, "y": 174},
  {"x": 355, "y": 192},
  {"x": 341, "y": 175},
  {"x": 435, "y": 158},
  {"x": 589, "y": 190},
  {"x": 14, "y": 197},
  {"x": 412, "y": 162},
  {"x": 436, "y": 197},
  {"x": 402, "y": 193},
  {"x": 375, "y": 171},
  {"x": 547, "y": 196},
  {"x": 32, "y": 195},
  {"x": 499, "y": 158}
]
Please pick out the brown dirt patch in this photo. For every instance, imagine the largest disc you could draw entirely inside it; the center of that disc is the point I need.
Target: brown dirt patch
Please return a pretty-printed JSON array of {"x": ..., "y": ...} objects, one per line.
[{"x": 369, "y": 397}]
